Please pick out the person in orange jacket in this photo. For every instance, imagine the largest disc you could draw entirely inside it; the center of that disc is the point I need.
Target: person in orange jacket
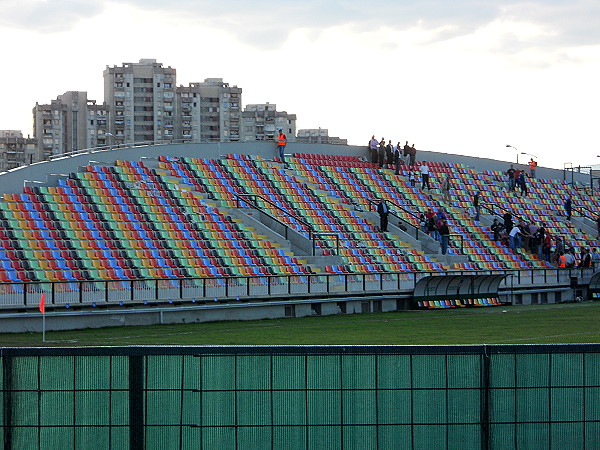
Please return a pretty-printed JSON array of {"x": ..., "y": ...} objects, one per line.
[
  {"x": 532, "y": 168},
  {"x": 281, "y": 143}
]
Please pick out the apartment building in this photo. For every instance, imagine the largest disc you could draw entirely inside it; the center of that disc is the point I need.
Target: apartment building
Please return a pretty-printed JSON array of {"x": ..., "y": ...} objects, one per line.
[
  {"x": 70, "y": 122},
  {"x": 142, "y": 103},
  {"x": 141, "y": 97},
  {"x": 16, "y": 150},
  {"x": 261, "y": 122},
  {"x": 208, "y": 111}
]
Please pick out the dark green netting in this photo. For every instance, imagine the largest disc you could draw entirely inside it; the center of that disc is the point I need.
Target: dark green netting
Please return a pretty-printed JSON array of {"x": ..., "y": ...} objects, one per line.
[{"x": 352, "y": 397}]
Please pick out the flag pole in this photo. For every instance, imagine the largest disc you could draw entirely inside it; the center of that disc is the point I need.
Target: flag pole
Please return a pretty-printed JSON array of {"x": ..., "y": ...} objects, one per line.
[{"x": 43, "y": 311}]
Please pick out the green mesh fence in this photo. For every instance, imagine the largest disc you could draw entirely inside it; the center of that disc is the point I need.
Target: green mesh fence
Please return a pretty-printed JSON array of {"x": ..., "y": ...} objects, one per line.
[{"x": 302, "y": 397}]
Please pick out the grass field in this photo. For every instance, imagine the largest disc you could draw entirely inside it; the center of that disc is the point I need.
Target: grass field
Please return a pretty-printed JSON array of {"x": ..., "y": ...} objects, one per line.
[{"x": 539, "y": 324}]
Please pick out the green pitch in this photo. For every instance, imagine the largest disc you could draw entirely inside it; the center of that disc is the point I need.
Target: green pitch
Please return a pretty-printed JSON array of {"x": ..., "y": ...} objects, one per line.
[{"x": 539, "y": 324}]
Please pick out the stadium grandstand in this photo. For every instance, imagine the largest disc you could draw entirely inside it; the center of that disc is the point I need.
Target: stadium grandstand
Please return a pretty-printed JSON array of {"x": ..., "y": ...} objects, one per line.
[{"x": 199, "y": 232}]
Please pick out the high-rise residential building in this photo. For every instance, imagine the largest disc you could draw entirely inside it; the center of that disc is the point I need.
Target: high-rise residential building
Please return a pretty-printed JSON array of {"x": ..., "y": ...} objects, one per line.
[
  {"x": 98, "y": 134},
  {"x": 141, "y": 97},
  {"x": 208, "y": 111},
  {"x": 142, "y": 103},
  {"x": 318, "y": 136},
  {"x": 16, "y": 150},
  {"x": 261, "y": 122},
  {"x": 66, "y": 124}
]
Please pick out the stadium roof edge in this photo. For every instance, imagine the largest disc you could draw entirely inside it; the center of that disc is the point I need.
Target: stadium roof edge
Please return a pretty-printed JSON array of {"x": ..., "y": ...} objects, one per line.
[{"x": 13, "y": 181}]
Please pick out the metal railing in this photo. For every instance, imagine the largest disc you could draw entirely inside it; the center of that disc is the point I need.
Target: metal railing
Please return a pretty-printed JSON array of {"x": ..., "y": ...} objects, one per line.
[
  {"x": 122, "y": 145},
  {"x": 462, "y": 242},
  {"x": 416, "y": 228},
  {"x": 312, "y": 233},
  {"x": 227, "y": 289}
]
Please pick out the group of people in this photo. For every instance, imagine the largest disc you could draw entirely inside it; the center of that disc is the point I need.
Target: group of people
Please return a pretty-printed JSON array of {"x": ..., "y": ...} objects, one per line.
[
  {"x": 435, "y": 224},
  {"x": 536, "y": 239},
  {"x": 530, "y": 237},
  {"x": 517, "y": 178},
  {"x": 396, "y": 155}
]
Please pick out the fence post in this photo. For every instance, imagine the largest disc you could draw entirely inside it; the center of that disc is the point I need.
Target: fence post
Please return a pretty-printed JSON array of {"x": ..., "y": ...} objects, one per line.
[
  {"x": 7, "y": 379},
  {"x": 136, "y": 402},
  {"x": 485, "y": 398}
]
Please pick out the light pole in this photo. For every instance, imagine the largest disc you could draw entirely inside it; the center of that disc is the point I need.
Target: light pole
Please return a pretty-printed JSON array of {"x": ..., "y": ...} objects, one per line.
[
  {"x": 529, "y": 154},
  {"x": 508, "y": 145},
  {"x": 110, "y": 135}
]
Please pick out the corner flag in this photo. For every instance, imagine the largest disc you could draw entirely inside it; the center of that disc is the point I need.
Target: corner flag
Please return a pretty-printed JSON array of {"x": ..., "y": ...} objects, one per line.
[{"x": 42, "y": 305}]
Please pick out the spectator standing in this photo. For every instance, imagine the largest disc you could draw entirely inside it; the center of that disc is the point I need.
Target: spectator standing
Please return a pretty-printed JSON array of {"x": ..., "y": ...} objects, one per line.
[
  {"x": 383, "y": 211},
  {"x": 511, "y": 178},
  {"x": 496, "y": 229},
  {"x": 411, "y": 177},
  {"x": 513, "y": 236},
  {"x": 397, "y": 159},
  {"x": 430, "y": 217},
  {"x": 508, "y": 222},
  {"x": 413, "y": 155},
  {"x": 586, "y": 259},
  {"x": 562, "y": 261},
  {"x": 407, "y": 154},
  {"x": 446, "y": 185},
  {"x": 476, "y": 205},
  {"x": 569, "y": 260},
  {"x": 595, "y": 257},
  {"x": 534, "y": 238},
  {"x": 547, "y": 247},
  {"x": 281, "y": 143},
  {"x": 423, "y": 223},
  {"x": 381, "y": 153},
  {"x": 568, "y": 207},
  {"x": 532, "y": 168},
  {"x": 424, "y": 175},
  {"x": 444, "y": 235},
  {"x": 373, "y": 146},
  {"x": 540, "y": 238},
  {"x": 559, "y": 248},
  {"x": 523, "y": 184},
  {"x": 389, "y": 152}
]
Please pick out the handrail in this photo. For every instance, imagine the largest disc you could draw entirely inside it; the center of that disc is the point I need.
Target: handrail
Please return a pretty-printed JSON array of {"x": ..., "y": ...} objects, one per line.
[
  {"x": 462, "y": 241},
  {"x": 585, "y": 208},
  {"x": 266, "y": 200},
  {"x": 121, "y": 145},
  {"x": 502, "y": 209},
  {"x": 410, "y": 213},
  {"x": 312, "y": 233}
]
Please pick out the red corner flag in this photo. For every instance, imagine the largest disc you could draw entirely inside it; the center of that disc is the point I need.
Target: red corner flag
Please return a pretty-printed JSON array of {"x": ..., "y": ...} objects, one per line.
[{"x": 42, "y": 305}]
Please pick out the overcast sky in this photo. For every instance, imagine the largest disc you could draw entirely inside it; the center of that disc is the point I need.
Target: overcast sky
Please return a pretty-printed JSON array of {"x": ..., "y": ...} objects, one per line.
[{"x": 465, "y": 77}]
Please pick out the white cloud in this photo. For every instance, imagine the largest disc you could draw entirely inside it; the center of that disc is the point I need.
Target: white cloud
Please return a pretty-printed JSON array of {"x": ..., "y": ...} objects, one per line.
[{"x": 466, "y": 77}]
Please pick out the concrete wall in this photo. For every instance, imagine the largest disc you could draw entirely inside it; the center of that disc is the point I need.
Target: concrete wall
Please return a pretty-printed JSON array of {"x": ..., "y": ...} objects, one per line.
[{"x": 12, "y": 181}]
